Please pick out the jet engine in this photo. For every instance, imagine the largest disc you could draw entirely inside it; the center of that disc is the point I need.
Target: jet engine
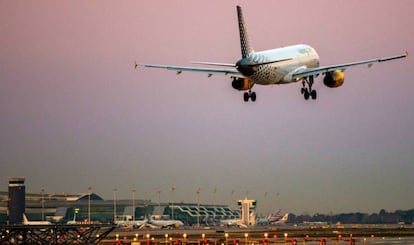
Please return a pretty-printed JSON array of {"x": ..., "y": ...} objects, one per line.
[
  {"x": 334, "y": 79},
  {"x": 241, "y": 84}
]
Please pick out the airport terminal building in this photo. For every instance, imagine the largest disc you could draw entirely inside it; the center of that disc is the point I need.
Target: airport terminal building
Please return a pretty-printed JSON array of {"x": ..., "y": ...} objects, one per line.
[{"x": 60, "y": 208}]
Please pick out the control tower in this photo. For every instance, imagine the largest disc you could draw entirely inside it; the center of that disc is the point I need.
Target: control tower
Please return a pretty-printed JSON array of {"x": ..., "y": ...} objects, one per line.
[
  {"x": 17, "y": 203},
  {"x": 248, "y": 211}
]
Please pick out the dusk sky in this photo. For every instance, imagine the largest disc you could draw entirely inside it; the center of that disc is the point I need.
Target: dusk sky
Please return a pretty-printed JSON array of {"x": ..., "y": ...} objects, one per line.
[{"x": 75, "y": 113}]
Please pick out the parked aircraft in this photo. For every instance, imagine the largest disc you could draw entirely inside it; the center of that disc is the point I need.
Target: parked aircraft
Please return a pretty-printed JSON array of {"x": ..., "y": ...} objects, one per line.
[
  {"x": 291, "y": 64},
  {"x": 282, "y": 221},
  {"x": 269, "y": 218},
  {"x": 232, "y": 222},
  {"x": 170, "y": 223},
  {"x": 27, "y": 222},
  {"x": 276, "y": 217},
  {"x": 127, "y": 221}
]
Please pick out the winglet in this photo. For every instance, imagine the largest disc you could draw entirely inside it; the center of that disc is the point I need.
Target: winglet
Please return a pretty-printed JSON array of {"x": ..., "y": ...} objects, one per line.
[
  {"x": 136, "y": 64},
  {"x": 406, "y": 54}
]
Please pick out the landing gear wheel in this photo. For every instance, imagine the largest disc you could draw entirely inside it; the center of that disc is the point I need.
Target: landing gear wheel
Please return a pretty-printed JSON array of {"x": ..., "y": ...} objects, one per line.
[
  {"x": 306, "y": 94},
  {"x": 313, "y": 94},
  {"x": 253, "y": 96},
  {"x": 246, "y": 97}
]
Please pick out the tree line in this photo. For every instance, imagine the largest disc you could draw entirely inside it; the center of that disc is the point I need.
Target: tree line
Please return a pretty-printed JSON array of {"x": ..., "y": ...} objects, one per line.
[{"x": 383, "y": 217}]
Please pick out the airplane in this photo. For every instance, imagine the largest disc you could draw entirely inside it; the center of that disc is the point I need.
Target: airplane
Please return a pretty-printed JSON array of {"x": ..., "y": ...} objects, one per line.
[
  {"x": 27, "y": 222},
  {"x": 269, "y": 218},
  {"x": 281, "y": 221},
  {"x": 275, "y": 218},
  {"x": 170, "y": 223},
  {"x": 291, "y": 64},
  {"x": 132, "y": 223},
  {"x": 127, "y": 221},
  {"x": 232, "y": 222}
]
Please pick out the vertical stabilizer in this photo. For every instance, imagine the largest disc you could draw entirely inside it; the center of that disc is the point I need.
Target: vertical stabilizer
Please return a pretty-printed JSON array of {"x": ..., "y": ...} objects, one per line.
[
  {"x": 25, "y": 220},
  {"x": 246, "y": 49},
  {"x": 284, "y": 218}
]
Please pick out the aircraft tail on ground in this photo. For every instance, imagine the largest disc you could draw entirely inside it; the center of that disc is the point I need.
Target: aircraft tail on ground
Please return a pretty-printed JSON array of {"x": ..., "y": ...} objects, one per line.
[
  {"x": 276, "y": 217},
  {"x": 246, "y": 49},
  {"x": 284, "y": 219},
  {"x": 25, "y": 220}
]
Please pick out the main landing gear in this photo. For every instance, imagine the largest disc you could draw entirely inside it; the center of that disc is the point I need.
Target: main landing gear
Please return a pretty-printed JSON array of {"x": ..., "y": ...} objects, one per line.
[
  {"x": 308, "y": 91},
  {"x": 251, "y": 95}
]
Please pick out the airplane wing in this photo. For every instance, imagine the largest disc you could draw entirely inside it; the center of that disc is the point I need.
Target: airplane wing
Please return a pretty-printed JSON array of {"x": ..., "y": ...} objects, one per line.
[
  {"x": 325, "y": 69},
  {"x": 210, "y": 71}
]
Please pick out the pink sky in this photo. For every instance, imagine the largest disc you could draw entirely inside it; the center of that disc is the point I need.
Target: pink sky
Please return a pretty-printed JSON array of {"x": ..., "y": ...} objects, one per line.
[{"x": 74, "y": 112}]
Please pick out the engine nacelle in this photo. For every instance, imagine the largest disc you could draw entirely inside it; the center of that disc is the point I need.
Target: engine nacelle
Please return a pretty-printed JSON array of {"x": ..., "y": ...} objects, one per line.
[
  {"x": 241, "y": 84},
  {"x": 334, "y": 79}
]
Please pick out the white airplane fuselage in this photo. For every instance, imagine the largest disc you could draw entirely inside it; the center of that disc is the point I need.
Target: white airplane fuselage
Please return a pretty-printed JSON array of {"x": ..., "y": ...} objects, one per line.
[
  {"x": 167, "y": 223},
  {"x": 27, "y": 222},
  {"x": 276, "y": 65}
]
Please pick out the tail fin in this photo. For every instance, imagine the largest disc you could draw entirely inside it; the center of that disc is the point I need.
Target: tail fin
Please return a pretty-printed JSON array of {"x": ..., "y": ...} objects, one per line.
[
  {"x": 285, "y": 218},
  {"x": 246, "y": 49},
  {"x": 275, "y": 218},
  {"x": 25, "y": 220}
]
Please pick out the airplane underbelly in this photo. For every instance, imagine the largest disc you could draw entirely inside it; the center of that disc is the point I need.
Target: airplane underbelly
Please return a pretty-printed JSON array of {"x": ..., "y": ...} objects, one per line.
[{"x": 267, "y": 75}]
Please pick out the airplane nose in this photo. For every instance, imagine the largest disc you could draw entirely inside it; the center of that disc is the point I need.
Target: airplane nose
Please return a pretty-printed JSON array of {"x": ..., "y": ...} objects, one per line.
[{"x": 245, "y": 68}]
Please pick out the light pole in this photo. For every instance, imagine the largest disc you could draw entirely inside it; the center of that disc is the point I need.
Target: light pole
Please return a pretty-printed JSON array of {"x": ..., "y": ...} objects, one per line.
[
  {"x": 198, "y": 207},
  {"x": 232, "y": 194},
  {"x": 172, "y": 208},
  {"x": 43, "y": 204},
  {"x": 265, "y": 202},
  {"x": 159, "y": 199},
  {"x": 115, "y": 219},
  {"x": 89, "y": 204},
  {"x": 215, "y": 203},
  {"x": 133, "y": 204}
]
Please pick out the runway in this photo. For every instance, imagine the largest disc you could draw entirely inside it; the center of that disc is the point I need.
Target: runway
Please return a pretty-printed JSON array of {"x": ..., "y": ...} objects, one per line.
[{"x": 263, "y": 235}]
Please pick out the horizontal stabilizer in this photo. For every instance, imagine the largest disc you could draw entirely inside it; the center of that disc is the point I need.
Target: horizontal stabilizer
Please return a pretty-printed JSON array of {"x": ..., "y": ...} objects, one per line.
[
  {"x": 213, "y": 63},
  {"x": 210, "y": 71}
]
